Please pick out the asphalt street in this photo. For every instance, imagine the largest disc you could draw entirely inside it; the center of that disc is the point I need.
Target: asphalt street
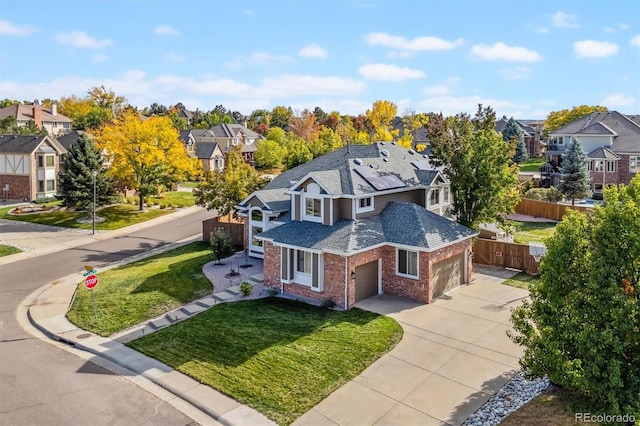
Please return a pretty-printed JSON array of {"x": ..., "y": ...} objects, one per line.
[{"x": 42, "y": 384}]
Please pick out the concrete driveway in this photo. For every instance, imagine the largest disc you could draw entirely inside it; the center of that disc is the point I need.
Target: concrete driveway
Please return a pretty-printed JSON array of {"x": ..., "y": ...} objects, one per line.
[{"x": 454, "y": 355}]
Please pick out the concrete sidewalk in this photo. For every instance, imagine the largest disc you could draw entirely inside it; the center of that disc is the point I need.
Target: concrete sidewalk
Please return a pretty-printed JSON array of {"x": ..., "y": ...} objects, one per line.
[
  {"x": 46, "y": 309},
  {"x": 35, "y": 239}
]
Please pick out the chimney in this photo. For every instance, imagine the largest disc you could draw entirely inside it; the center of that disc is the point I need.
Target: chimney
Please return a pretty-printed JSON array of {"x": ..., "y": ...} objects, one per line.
[
  {"x": 37, "y": 116},
  {"x": 54, "y": 109}
]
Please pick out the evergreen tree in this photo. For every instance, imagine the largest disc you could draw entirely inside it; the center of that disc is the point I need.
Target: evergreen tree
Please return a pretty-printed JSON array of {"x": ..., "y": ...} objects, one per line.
[
  {"x": 512, "y": 131},
  {"x": 75, "y": 184},
  {"x": 574, "y": 176}
]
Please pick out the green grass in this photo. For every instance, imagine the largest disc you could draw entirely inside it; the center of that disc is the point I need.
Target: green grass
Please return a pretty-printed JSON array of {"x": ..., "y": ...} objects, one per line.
[
  {"x": 7, "y": 250},
  {"x": 527, "y": 232},
  {"x": 176, "y": 199},
  {"x": 117, "y": 216},
  {"x": 522, "y": 280},
  {"x": 189, "y": 184},
  {"x": 532, "y": 164},
  {"x": 277, "y": 356},
  {"x": 142, "y": 290}
]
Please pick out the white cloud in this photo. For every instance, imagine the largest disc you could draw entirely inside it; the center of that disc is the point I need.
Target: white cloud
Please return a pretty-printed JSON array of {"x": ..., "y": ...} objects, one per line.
[
  {"x": 436, "y": 90},
  {"x": 313, "y": 51},
  {"x": 564, "y": 20},
  {"x": 416, "y": 44},
  {"x": 450, "y": 105},
  {"x": 517, "y": 73},
  {"x": 7, "y": 28},
  {"x": 635, "y": 41},
  {"x": 543, "y": 30},
  {"x": 617, "y": 100},
  {"x": 82, "y": 40},
  {"x": 166, "y": 30},
  {"x": 503, "y": 52},
  {"x": 305, "y": 85},
  {"x": 386, "y": 72},
  {"x": 257, "y": 58},
  {"x": 173, "y": 57},
  {"x": 100, "y": 57},
  {"x": 594, "y": 49}
]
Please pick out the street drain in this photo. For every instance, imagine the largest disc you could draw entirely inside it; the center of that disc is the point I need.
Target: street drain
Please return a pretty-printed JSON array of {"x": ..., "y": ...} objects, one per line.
[{"x": 84, "y": 335}]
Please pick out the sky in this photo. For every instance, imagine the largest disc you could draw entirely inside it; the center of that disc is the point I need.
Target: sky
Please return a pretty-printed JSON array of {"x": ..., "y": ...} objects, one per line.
[{"x": 524, "y": 58}]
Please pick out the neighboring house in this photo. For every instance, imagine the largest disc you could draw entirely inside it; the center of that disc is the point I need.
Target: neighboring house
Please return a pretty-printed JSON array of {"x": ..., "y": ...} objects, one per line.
[
  {"x": 55, "y": 124},
  {"x": 356, "y": 222},
  {"x": 229, "y": 135},
  {"x": 611, "y": 141},
  {"x": 531, "y": 135},
  {"x": 201, "y": 144},
  {"x": 419, "y": 135},
  {"x": 29, "y": 166}
]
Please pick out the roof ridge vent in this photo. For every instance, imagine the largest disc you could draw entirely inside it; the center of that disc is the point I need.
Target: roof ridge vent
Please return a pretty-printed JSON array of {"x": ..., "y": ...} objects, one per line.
[
  {"x": 381, "y": 143},
  {"x": 411, "y": 152},
  {"x": 357, "y": 161},
  {"x": 384, "y": 152}
]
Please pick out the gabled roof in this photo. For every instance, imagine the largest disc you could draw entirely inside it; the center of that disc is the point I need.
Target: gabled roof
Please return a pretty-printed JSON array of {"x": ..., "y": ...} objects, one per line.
[
  {"x": 25, "y": 113},
  {"x": 205, "y": 150},
  {"x": 384, "y": 159},
  {"x": 27, "y": 144},
  {"x": 526, "y": 129},
  {"x": 626, "y": 132},
  {"x": 597, "y": 129},
  {"x": 230, "y": 130},
  {"x": 419, "y": 135},
  {"x": 71, "y": 138},
  {"x": 602, "y": 153},
  {"x": 418, "y": 228}
]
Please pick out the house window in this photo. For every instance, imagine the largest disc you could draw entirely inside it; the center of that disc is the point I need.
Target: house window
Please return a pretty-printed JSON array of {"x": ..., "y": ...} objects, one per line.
[
  {"x": 313, "y": 207},
  {"x": 49, "y": 161},
  {"x": 365, "y": 204},
  {"x": 256, "y": 215},
  {"x": 255, "y": 231},
  {"x": 446, "y": 194},
  {"x": 66, "y": 125},
  {"x": 612, "y": 166},
  {"x": 598, "y": 166},
  {"x": 434, "y": 198},
  {"x": 40, "y": 186},
  {"x": 304, "y": 262},
  {"x": 51, "y": 185},
  {"x": 597, "y": 187},
  {"x": 407, "y": 263},
  {"x": 634, "y": 164},
  {"x": 589, "y": 165}
]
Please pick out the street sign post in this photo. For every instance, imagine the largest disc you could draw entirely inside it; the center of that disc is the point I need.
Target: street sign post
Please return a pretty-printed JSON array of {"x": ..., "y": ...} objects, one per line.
[{"x": 90, "y": 282}]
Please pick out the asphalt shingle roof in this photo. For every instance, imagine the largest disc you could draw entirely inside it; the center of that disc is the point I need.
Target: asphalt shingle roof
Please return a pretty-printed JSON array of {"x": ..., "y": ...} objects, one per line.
[
  {"x": 205, "y": 149},
  {"x": 25, "y": 113},
  {"x": 26, "y": 143},
  {"x": 71, "y": 138},
  {"x": 603, "y": 153},
  {"x": 627, "y": 131},
  {"x": 399, "y": 223}
]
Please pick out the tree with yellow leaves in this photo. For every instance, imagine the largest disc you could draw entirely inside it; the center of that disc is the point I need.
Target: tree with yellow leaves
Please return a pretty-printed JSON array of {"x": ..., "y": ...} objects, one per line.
[
  {"x": 381, "y": 115},
  {"x": 144, "y": 154}
]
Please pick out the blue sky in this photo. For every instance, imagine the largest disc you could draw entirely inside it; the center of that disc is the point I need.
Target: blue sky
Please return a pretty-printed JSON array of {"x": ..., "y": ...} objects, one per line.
[{"x": 524, "y": 58}]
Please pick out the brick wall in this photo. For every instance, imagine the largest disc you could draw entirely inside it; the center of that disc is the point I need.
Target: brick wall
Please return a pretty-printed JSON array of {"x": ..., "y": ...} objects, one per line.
[
  {"x": 271, "y": 265},
  {"x": 392, "y": 284},
  {"x": 624, "y": 175},
  {"x": 19, "y": 187}
]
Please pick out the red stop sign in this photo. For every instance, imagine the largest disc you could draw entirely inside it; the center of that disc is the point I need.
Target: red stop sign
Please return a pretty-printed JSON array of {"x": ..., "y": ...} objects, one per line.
[{"x": 91, "y": 281}]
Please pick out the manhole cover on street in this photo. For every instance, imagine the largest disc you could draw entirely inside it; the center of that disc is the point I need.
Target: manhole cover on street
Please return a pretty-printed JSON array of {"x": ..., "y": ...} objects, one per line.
[{"x": 84, "y": 335}]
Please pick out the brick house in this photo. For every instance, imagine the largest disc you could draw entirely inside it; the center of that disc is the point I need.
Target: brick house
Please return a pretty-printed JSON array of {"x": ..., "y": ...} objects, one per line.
[
  {"x": 201, "y": 144},
  {"x": 49, "y": 119},
  {"x": 531, "y": 135},
  {"x": 611, "y": 141},
  {"x": 29, "y": 166},
  {"x": 356, "y": 222}
]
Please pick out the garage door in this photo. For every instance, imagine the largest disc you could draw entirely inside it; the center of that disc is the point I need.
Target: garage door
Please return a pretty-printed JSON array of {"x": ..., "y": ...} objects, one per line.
[
  {"x": 447, "y": 274},
  {"x": 366, "y": 280}
]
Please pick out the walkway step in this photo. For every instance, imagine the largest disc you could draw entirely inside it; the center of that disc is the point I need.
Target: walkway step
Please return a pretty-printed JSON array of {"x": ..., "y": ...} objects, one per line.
[
  {"x": 207, "y": 302},
  {"x": 259, "y": 278},
  {"x": 160, "y": 323},
  {"x": 235, "y": 290},
  {"x": 192, "y": 308},
  {"x": 223, "y": 296},
  {"x": 178, "y": 315}
]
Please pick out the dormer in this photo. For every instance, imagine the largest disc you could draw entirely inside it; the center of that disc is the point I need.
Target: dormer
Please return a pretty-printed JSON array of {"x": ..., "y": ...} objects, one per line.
[{"x": 315, "y": 198}]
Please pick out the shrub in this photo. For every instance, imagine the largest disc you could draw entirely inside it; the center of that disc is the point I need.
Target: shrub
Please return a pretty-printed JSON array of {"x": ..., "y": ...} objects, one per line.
[
  {"x": 245, "y": 288},
  {"x": 169, "y": 205},
  {"x": 544, "y": 194},
  {"x": 163, "y": 206},
  {"x": 221, "y": 244}
]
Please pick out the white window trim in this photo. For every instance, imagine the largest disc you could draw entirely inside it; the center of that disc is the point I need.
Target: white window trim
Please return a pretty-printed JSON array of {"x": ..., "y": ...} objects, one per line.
[
  {"x": 367, "y": 208},
  {"x": 400, "y": 274},
  {"x": 308, "y": 218},
  {"x": 306, "y": 279},
  {"x": 635, "y": 169},
  {"x": 439, "y": 202}
]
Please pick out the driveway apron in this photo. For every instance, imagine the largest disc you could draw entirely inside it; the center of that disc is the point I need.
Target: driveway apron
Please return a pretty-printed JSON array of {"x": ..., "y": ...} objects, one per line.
[{"x": 454, "y": 355}]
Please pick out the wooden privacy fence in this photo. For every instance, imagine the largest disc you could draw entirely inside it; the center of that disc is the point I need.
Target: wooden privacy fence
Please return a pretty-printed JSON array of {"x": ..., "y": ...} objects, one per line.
[
  {"x": 546, "y": 209},
  {"x": 235, "y": 228},
  {"x": 507, "y": 255}
]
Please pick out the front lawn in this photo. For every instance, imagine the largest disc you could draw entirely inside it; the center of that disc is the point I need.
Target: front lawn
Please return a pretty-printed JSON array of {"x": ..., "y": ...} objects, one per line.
[
  {"x": 277, "y": 356},
  {"x": 7, "y": 250},
  {"x": 116, "y": 216},
  {"x": 142, "y": 290},
  {"x": 523, "y": 280},
  {"x": 176, "y": 199},
  {"x": 532, "y": 164},
  {"x": 527, "y": 232}
]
